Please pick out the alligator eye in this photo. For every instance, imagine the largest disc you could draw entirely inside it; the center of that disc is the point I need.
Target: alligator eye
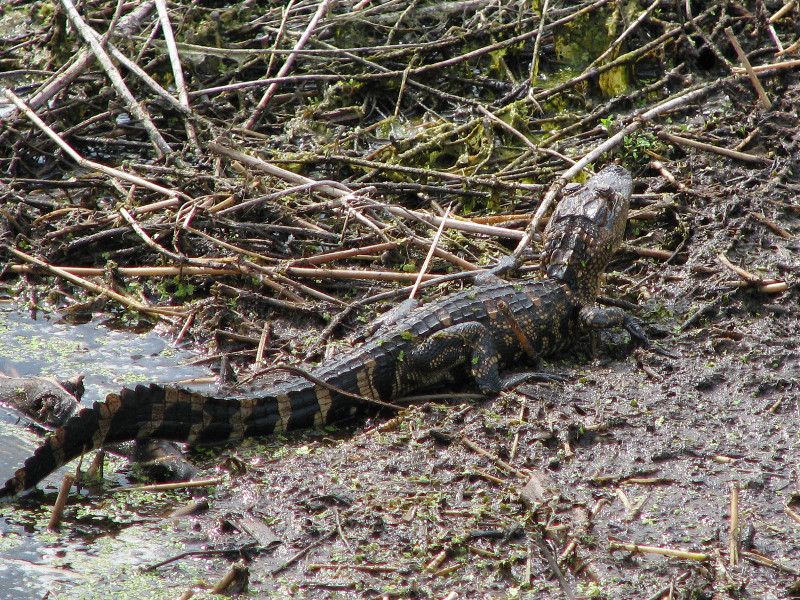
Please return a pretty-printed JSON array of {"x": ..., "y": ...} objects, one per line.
[{"x": 605, "y": 192}]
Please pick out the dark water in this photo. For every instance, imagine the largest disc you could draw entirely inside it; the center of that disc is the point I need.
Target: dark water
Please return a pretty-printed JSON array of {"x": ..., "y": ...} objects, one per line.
[{"x": 85, "y": 563}]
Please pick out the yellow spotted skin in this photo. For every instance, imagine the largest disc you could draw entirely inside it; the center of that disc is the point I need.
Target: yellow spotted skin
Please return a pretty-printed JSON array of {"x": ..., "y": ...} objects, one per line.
[{"x": 473, "y": 334}]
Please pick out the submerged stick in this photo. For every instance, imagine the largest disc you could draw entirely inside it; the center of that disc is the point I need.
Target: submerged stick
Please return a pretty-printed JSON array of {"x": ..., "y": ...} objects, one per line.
[{"x": 61, "y": 502}]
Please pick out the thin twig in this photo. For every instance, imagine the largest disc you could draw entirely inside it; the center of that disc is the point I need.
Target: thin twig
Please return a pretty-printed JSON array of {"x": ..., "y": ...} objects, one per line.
[
  {"x": 327, "y": 257},
  {"x": 792, "y": 514},
  {"x": 659, "y": 550},
  {"x": 61, "y": 502},
  {"x": 638, "y": 122},
  {"x": 329, "y": 386},
  {"x": 177, "y": 69},
  {"x": 534, "y": 73},
  {"x": 787, "y": 64},
  {"x": 760, "y": 559},
  {"x": 173, "y": 485},
  {"x": 300, "y": 554},
  {"x": 623, "y": 36},
  {"x": 516, "y": 133},
  {"x": 762, "y": 95},
  {"x": 676, "y": 139},
  {"x": 733, "y": 542},
  {"x": 84, "y": 58},
  {"x": 782, "y": 11},
  {"x": 135, "y": 271},
  {"x": 230, "y": 268},
  {"x": 429, "y": 256},
  {"x": 322, "y": 8},
  {"x": 554, "y": 566},
  {"x": 493, "y": 457},
  {"x": 103, "y": 291},
  {"x": 743, "y": 273},
  {"x": 87, "y": 164},
  {"x": 93, "y": 39},
  {"x": 147, "y": 239},
  {"x": 345, "y": 194}
]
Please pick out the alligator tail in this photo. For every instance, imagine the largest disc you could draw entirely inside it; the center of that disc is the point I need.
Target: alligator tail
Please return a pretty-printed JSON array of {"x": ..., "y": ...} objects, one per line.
[{"x": 164, "y": 412}]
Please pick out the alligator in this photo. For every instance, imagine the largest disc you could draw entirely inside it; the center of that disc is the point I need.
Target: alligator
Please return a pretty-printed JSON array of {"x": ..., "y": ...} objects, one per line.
[{"x": 492, "y": 325}]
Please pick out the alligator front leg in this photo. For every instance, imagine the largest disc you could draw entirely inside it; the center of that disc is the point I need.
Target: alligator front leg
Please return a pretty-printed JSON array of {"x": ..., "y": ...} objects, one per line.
[
  {"x": 466, "y": 344},
  {"x": 390, "y": 318},
  {"x": 505, "y": 265},
  {"x": 595, "y": 317}
]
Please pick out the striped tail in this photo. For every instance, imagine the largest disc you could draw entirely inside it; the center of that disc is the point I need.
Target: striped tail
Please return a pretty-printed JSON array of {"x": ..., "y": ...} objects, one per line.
[{"x": 170, "y": 413}]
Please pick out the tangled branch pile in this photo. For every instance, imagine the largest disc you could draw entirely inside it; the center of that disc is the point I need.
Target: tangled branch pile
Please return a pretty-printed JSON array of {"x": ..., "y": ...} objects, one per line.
[{"x": 310, "y": 147}]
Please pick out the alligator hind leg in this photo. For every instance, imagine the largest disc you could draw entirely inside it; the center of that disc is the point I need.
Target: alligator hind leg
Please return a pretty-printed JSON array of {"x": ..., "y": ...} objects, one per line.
[{"x": 466, "y": 344}]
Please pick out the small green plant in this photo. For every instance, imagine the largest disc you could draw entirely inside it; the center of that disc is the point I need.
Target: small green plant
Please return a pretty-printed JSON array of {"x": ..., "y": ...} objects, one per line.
[
  {"x": 640, "y": 144},
  {"x": 176, "y": 288}
]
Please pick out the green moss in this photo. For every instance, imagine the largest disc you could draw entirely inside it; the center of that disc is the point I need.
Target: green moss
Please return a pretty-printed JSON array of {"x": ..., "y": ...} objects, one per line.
[{"x": 584, "y": 39}]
